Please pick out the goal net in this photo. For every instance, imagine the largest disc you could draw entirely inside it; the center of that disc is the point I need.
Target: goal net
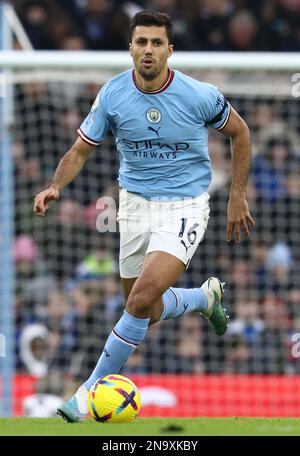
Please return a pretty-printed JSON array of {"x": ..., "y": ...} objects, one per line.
[{"x": 67, "y": 288}]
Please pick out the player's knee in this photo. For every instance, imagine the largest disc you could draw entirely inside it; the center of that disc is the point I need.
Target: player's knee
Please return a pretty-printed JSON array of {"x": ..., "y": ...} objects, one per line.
[{"x": 140, "y": 302}]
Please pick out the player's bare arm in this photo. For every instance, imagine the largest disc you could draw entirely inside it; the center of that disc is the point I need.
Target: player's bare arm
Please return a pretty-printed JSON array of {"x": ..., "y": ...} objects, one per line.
[
  {"x": 67, "y": 169},
  {"x": 238, "y": 215}
]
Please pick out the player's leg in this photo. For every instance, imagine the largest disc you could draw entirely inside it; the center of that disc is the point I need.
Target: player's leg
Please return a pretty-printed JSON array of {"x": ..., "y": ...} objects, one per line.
[
  {"x": 151, "y": 299},
  {"x": 175, "y": 302},
  {"x": 127, "y": 285},
  {"x": 160, "y": 272},
  {"x": 134, "y": 239},
  {"x": 178, "y": 228},
  {"x": 152, "y": 296},
  {"x": 75, "y": 409}
]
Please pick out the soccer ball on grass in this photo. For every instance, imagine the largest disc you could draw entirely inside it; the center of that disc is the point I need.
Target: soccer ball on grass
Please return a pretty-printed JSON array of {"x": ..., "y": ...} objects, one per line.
[{"x": 114, "y": 399}]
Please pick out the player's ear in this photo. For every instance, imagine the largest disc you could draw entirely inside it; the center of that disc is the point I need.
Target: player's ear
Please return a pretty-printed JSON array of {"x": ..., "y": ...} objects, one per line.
[
  {"x": 171, "y": 50},
  {"x": 130, "y": 49}
]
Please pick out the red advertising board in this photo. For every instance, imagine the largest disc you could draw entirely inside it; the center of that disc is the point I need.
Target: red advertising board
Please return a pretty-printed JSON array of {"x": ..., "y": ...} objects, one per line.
[{"x": 203, "y": 395}]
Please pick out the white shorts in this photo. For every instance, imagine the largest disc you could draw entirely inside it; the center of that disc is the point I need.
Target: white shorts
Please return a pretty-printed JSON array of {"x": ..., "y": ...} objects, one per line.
[{"x": 176, "y": 227}]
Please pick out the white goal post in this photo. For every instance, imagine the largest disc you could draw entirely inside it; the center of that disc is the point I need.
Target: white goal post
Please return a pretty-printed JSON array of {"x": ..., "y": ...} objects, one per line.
[{"x": 242, "y": 61}]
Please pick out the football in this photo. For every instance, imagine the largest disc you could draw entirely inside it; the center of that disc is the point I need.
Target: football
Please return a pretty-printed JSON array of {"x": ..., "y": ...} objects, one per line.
[{"x": 114, "y": 399}]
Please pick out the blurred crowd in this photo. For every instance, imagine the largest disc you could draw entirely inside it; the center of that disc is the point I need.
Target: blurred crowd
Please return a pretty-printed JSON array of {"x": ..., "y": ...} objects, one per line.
[
  {"x": 199, "y": 25},
  {"x": 68, "y": 293}
]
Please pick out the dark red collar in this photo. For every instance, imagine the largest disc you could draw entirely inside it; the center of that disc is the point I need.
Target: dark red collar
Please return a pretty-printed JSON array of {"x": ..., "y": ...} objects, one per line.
[{"x": 164, "y": 87}]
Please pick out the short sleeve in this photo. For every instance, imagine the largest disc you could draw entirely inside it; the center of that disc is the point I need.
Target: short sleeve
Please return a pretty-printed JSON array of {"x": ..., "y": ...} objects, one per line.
[
  {"x": 217, "y": 109},
  {"x": 95, "y": 125}
]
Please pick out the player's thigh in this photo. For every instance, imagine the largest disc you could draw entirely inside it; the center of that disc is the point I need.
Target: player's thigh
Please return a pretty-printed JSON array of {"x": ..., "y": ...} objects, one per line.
[
  {"x": 160, "y": 271},
  {"x": 180, "y": 229}
]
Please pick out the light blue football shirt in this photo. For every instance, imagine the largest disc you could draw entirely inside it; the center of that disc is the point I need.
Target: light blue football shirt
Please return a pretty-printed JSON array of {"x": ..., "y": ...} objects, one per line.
[{"x": 161, "y": 136}]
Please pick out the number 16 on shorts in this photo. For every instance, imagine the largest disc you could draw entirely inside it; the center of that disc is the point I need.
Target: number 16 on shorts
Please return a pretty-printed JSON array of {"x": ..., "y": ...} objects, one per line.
[{"x": 190, "y": 234}]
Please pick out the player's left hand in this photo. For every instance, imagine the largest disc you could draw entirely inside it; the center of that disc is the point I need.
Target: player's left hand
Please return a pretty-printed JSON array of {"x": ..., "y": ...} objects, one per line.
[{"x": 238, "y": 217}]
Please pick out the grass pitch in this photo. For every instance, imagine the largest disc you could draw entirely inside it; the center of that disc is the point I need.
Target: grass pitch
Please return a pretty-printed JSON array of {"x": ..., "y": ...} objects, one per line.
[{"x": 153, "y": 427}]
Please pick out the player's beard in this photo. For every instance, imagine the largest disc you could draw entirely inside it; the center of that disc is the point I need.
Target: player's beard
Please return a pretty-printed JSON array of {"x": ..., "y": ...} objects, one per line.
[{"x": 149, "y": 75}]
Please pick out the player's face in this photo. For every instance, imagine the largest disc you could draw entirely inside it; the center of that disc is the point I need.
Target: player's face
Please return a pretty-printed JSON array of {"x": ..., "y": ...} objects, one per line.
[{"x": 150, "y": 50}]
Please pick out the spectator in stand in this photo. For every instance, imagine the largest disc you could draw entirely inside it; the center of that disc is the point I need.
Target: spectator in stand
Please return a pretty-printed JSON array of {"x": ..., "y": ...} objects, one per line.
[
  {"x": 271, "y": 167},
  {"x": 59, "y": 320},
  {"x": 33, "y": 130},
  {"x": 211, "y": 24},
  {"x": 71, "y": 7},
  {"x": 247, "y": 322},
  {"x": 258, "y": 259},
  {"x": 69, "y": 240},
  {"x": 238, "y": 355},
  {"x": 60, "y": 27},
  {"x": 265, "y": 121},
  {"x": 281, "y": 20},
  {"x": 36, "y": 349},
  {"x": 241, "y": 277},
  {"x": 157, "y": 349},
  {"x": 36, "y": 15},
  {"x": 293, "y": 301},
  {"x": 97, "y": 265},
  {"x": 113, "y": 295},
  {"x": 117, "y": 33},
  {"x": 32, "y": 276},
  {"x": 221, "y": 167},
  {"x": 279, "y": 265},
  {"x": 73, "y": 42},
  {"x": 24, "y": 315},
  {"x": 189, "y": 351},
  {"x": 90, "y": 327},
  {"x": 243, "y": 32},
  {"x": 270, "y": 349},
  {"x": 288, "y": 212},
  {"x": 136, "y": 364},
  {"x": 95, "y": 19}
]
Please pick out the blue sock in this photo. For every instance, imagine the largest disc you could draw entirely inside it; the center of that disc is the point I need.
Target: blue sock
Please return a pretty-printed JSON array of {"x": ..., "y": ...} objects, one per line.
[
  {"x": 123, "y": 340},
  {"x": 178, "y": 301}
]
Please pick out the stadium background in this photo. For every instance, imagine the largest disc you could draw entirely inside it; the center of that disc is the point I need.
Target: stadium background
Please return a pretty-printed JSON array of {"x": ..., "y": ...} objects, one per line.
[{"x": 68, "y": 294}]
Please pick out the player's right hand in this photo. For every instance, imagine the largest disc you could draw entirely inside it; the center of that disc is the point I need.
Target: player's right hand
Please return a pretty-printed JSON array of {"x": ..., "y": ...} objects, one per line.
[{"x": 41, "y": 200}]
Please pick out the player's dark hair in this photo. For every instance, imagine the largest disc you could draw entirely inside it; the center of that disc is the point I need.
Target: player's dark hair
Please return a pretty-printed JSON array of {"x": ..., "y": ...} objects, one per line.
[{"x": 149, "y": 18}]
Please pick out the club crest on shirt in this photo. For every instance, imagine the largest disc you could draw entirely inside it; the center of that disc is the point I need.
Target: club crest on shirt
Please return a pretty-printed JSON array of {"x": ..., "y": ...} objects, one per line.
[{"x": 153, "y": 115}]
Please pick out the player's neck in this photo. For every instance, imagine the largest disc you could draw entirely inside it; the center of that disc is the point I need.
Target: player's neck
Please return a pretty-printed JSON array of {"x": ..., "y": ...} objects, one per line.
[{"x": 155, "y": 84}]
